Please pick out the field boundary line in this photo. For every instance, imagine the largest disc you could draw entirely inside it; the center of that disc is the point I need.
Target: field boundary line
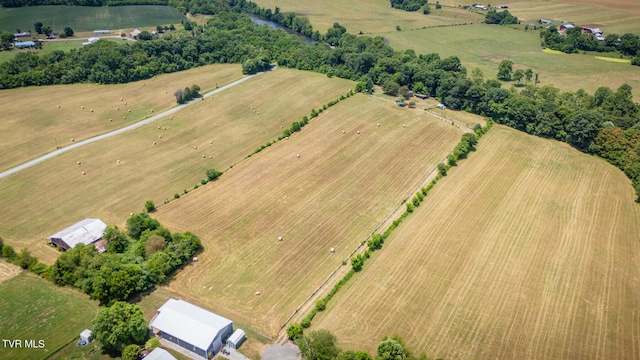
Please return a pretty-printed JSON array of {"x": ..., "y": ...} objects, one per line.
[{"x": 133, "y": 126}]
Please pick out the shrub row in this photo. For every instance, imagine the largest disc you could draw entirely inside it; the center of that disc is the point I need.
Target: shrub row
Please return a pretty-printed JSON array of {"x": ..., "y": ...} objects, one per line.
[{"x": 466, "y": 145}]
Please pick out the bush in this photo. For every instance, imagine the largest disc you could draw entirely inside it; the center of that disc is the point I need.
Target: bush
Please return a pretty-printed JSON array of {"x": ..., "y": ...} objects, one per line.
[
  {"x": 176, "y": 196},
  {"x": 442, "y": 169},
  {"x": 152, "y": 343},
  {"x": 294, "y": 331},
  {"x": 306, "y": 322},
  {"x": 213, "y": 174},
  {"x": 131, "y": 352},
  {"x": 1, "y": 245},
  {"x": 357, "y": 262},
  {"x": 321, "y": 305},
  {"x": 8, "y": 253},
  {"x": 149, "y": 206}
]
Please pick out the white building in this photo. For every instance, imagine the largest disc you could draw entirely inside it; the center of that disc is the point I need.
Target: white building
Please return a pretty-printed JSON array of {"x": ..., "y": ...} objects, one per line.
[
  {"x": 87, "y": 231},
  {"x": 159, "y": 354},
  {"x": 236, "y": 339},
  {"x": 191, "y": 327}
]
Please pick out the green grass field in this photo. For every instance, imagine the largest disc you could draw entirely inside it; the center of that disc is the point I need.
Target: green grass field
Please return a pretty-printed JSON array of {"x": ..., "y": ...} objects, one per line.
[
  {"x": 50, "y": 46},
  {"x": 37, "y": 204},
  {"x": 32, "y": 308},
  {"x": 485, "y": 46},
  {"x": 528, "y": 249},
  {"x": 86, "y": 18}
]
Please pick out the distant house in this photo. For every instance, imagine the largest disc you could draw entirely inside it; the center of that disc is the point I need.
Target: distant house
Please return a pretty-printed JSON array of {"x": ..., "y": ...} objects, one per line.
[
  {"x": 159, "y": 354},
  {"x": 191, "y": 327},
  {"x": 568, "y": 25},
  {"x": 90, "y": 41},
  {"x": 101, "y": 32},
  {"x": 545, "y": 22},
  {"x": 441, "y": 106},
  {"x": 24, "y": 44},
  {"x": 502, "y": 7},
  {"x": 87, "y": 231},
  {"x": 481, "y": 7},
  {"x": 591, "y": 30},
  {"x": 134, "y": 34},
  {"x": 85, "y": 336},
  {"x": 422, "y": 96},
  {"x": 22, "y": 34}
]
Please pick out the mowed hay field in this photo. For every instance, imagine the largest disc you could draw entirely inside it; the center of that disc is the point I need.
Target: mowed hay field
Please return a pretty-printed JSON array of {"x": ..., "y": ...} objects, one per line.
[
  {"x": 485, "y": 46},
  {"x": 527, "y": 250},
  {"x": 46, "y": 198},
  {"x": 32, "y": 308},
  {"x": 332, "y": 196},
  {"x": 368, "y": 16},
  {"x": 33, "y": 125}
]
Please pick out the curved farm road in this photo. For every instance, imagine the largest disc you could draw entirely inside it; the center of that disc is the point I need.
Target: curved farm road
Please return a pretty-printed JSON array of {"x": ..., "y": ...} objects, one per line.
[{"x": 60, "y": 151}]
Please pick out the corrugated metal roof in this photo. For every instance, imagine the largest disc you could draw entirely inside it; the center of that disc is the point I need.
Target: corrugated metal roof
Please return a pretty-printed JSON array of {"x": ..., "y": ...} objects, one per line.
[
  {"x": 237, "y": 336},
  {"x": 190, "y": 323},
  {"x": 85, "y": 232},
  {"x": 159, "y": 354}
]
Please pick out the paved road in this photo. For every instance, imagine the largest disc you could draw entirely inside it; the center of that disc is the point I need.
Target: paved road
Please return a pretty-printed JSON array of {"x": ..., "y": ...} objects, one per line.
[
  {"x": 286, "y": 351},
  {"x": 62, "y": 150}
]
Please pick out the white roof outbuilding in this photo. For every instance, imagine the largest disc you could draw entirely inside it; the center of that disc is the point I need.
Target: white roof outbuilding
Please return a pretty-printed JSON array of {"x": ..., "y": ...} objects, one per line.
[
  {"x": 187, "y": 323},
  {"x": 236, "y": 338},
  {"x": 159, "y": 354},
  {"x": 85, "y": 232}
]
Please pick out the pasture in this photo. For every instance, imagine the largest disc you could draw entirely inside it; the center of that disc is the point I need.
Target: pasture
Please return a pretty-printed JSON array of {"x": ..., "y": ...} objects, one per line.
[
  {"x": 527, "y": 250},
  {"x": 33, "y": 125},
  {"x": 485, "y": 46},
  {"x": 48, "y": 197},
  {"x": 331, "y": 196},
  {"x": 8, "y": 270},
  {"x": 88, "y": 18},
  {"x": 32, "y": 308},
  {"x": 368, "y": 16}
]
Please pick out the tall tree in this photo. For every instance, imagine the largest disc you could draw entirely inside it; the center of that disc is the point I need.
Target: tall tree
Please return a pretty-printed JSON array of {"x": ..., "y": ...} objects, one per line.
[
  {"x": 119, "y": 325},
  {"x": 38, "y": 27},
  {"x": 504, "y": 70},
  {"x": 319, "y": 345},
  {"x": 390, "y": 349}
]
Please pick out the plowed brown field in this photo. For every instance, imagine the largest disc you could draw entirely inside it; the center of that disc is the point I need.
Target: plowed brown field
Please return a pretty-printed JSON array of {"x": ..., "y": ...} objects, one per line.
[
  {"x": 333, "y": 195},
  {"x": 528, "y": 250}
]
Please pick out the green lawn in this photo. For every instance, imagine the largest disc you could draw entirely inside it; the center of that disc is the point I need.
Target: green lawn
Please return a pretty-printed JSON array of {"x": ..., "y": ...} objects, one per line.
[
  {"x": 32, "y": 308},
  {"x": 485, "y": 46},
  {"x": 86, "y": 18}
]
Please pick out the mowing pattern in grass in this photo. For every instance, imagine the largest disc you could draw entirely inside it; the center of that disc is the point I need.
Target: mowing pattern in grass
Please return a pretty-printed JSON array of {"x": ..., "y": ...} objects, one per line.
[
  {"x": 485, "y": 46},
  {"x": 331, "y": 196},
  {"x": 7, "y": 270},
  {"x": 43, "y": 199},
  {"x": 87, "y": 18},
  {"x": 33, "y": 308},
  {"x": 528, "y": 250},
  {"x": 369, "y": 16},
  {"x": 33, "y": 125}
]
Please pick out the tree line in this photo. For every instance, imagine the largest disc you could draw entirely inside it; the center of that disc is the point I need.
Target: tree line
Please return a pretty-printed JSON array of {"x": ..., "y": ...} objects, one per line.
[
  {"x": 230, "y": 37},
  {"x": 574, "y": 40},
  {"x": 408, "y": 5},
  {"x": 21, "y": 3}
]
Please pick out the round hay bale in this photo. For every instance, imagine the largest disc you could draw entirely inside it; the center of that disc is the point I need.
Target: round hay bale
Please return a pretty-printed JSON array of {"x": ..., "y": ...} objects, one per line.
[
  {"x": 358, "y": 131},
  {"x": 131, "y": 214},
  {"x": 210, "y": 157},
  {"x": 171, "y": 118},
  {"x": 91, "y": 110},
  {"x": 129, "y": 110},
  {"x": 298, "y": 155},
  {"x": 160, "y": 136},
  {"x": 203, "y": 156},
  {"x": 257, "y": 293},
  {"x": 378, "y": 124},
  {"x": 84, "y": 173},
  {"x": 58, "y": 106},
  {"x": 344, "y": 132},
  {"x": 286, "y": 138},
  {"x": 195, "y": 147},
  {"x": 165, "y": 91},
  {"x": 279, "y": 238},
  {"x": 195, "y": 258},
  {"x": 125, "y": 103},
  {"x": 110, "y": 119},
  {"x": 118, "y": 161},
  {"x": 164, "y": 128},
  {"x": 121, "y": 99},
  {"x": 404, "y": 125},
  {"x": 78, "y": 162},
  {"x": 72, "y": 140},
  {"x": 158, "y": 127},
  {"x": 82, "y": 107},
  {"x": 118, "y": 108},
  {"x": 332, "y": 250},
  {"x": 124, "y": 117},
  {"x": 151, "y": 110},
  {"x": 210, "y": 142},
  {"x": 154, "y": 143}
]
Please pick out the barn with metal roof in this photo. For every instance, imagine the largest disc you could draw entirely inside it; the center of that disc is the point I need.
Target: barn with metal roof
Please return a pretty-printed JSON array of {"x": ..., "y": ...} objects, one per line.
[
  {"x": 191, "y": 327},
  {"x": 87, "y": 231}
]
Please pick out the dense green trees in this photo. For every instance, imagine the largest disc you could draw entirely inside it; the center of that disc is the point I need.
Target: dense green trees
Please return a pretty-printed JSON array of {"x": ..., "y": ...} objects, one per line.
[
  {"x": 390, "y": 349},
  {"x": 500, "y": 17},
  {"x": 120, "y": 325},
  {"x": 319, "y": 345},
  {"x": 505, "y": 70},
  {"x": 408, "y": 5}
]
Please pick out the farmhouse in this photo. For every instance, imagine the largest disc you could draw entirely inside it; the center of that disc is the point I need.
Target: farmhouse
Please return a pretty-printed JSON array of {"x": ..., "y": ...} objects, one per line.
[
  {"x": 134, "y": 34},
  {"x": 565, "y": 26},
  {"x": 87, "y": 231},
  {"x": 591, "y": 30},
  {"x": 191, "y": 327}
]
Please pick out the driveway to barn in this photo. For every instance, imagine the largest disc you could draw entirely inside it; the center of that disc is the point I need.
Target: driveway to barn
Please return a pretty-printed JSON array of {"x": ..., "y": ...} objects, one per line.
[{"x": 60, "y": 151}]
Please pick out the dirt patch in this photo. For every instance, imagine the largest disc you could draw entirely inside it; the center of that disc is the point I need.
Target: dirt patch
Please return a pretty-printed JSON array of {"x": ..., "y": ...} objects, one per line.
[{"x": 7, "y": 271}]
